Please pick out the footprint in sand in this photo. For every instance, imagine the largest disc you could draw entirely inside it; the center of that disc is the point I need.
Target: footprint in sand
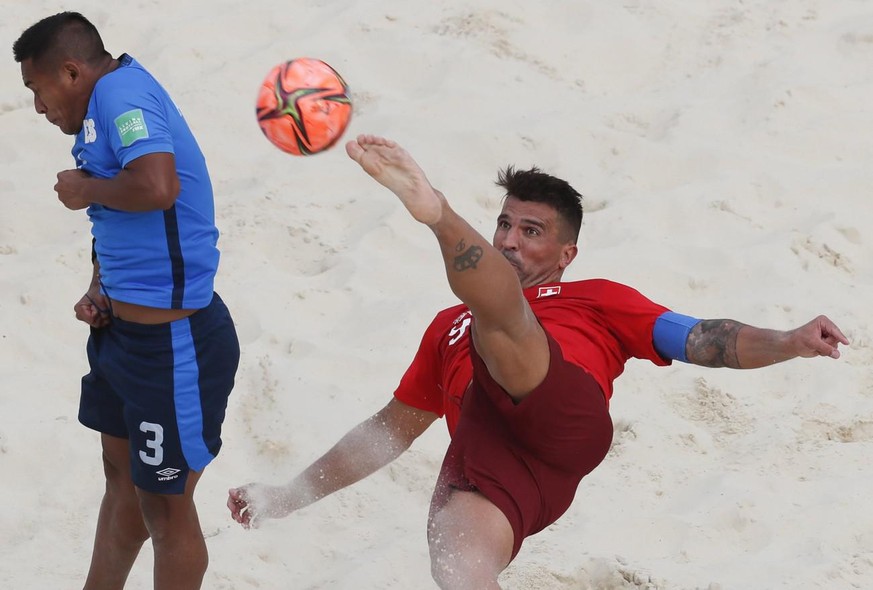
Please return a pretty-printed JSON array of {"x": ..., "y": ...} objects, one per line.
[
  {"x": 298, "y": 245},
  {"x": 597, "y": 574},
  {"x": 491, "y": 28},
  {"x": 852, "y": 431},
  {"x": 622, "y": 433},
  {"x": 654, "y": 126},
  {"x": 809, "y": 250},
  {"x": 718, "y": 410},
  {"x": 258, "y": 410}
]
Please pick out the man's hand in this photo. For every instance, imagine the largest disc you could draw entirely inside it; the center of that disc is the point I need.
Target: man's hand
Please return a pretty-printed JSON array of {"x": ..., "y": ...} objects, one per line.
[
  {"x": 820, "y": 337},
  {"x": 254, "y": 502},
  {"x": 71, "y": 189},
  {"x": 93, "y": 308}
]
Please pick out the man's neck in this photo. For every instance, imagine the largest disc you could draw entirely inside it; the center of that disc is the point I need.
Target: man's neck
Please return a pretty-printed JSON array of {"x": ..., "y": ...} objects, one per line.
[{"x": 106, "y": 65}]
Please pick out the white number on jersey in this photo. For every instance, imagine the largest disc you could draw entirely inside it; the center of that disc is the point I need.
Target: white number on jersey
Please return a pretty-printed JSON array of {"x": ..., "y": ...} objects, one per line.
[{"x": 458, "y": 331}]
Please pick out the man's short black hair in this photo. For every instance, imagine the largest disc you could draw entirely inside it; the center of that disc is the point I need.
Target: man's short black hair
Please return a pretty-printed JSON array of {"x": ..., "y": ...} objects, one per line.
[
  {"x": 60, "y": 36},
  {"x": 537, "y": 186}
]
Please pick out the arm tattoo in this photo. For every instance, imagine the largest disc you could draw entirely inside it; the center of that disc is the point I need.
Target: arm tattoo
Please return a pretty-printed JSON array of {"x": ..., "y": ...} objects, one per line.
[
  {"x": 468, "y": 258},
  {"x": 713, "y": 343}
]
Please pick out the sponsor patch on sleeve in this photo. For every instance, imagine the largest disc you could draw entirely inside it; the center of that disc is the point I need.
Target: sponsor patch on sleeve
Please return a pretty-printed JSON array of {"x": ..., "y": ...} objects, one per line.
[{"x": 131, "y": 126}]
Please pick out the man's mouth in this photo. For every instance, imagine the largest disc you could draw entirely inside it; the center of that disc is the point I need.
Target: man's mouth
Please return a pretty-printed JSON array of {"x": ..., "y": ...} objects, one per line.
[{"x": 511, "y": 260}]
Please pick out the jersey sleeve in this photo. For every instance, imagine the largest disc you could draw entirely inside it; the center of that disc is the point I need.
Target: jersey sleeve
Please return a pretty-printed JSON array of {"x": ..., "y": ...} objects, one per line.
[
  {"x": 420, "y": 385},
  {"x": 133, "y": 117},
  {"x": 632, "y": 317}
]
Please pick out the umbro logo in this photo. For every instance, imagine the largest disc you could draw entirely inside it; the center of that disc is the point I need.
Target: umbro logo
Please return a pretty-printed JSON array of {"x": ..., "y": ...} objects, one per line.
[{"x": 168, "y": 473}]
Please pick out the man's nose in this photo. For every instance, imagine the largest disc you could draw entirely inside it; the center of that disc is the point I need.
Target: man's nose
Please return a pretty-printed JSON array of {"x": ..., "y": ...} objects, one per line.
[
  {"x": 39, "y": 106},
  {"x": 510, "y": 240}
]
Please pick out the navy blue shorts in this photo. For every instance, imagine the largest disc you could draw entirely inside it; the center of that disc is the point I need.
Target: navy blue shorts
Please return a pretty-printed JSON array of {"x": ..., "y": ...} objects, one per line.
[{"x": 164, "y": 387}]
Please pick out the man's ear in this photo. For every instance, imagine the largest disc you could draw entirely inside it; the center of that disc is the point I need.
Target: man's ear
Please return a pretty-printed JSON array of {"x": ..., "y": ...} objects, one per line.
[
  {"x": 71, "y": 71},
  {"x": 568, "y": 254}
]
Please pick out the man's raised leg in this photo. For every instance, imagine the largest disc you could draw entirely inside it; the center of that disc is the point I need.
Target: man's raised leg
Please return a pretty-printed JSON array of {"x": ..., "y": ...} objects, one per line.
[{"x": 507, "y": 335}]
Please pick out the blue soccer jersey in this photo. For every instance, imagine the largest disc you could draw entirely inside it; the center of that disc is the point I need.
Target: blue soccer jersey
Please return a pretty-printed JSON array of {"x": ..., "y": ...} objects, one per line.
[{"x": 165, "y": 259}]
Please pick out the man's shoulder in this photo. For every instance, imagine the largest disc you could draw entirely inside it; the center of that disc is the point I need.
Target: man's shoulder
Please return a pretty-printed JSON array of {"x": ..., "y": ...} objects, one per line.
[
  {"x": 581, "y": 288},
  {"x": 127, "y": 64},
  {"x": 596, "y": 283},
  {"x": 450, "y": 314},
  {"x": 129, "y": 73}
]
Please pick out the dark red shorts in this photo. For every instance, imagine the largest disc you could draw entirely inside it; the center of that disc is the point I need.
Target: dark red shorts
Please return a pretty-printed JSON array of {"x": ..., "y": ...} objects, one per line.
[{"x": 527, "y": 458}]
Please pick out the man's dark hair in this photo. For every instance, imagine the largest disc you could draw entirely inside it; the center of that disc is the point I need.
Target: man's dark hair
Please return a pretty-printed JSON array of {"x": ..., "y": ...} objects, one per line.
[
  {"x": 54, "y": 38},
  {"x": 539, "y": 187}
]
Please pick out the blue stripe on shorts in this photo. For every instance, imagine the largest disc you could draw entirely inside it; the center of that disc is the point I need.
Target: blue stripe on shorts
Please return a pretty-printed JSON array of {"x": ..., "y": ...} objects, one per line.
[{"x": 189, "y": 413}]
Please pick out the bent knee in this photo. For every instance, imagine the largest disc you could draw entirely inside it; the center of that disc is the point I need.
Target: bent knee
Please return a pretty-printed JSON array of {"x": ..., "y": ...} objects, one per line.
[
  {"x": 119, "y": 485},
  {"x": 470, "y": 543},
  {"x": 461, "y": 570},
  {"x": 168, "y": 514}
]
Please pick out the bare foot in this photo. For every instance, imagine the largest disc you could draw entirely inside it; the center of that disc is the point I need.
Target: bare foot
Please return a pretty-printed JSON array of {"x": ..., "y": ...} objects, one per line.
[
  {"x": 392, "y": 167},
  {"x": 254, "y": 502}
]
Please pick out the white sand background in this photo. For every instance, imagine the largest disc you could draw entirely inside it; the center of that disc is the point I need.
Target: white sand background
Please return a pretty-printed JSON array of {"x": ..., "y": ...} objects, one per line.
[{"x": 724, "y": 148}]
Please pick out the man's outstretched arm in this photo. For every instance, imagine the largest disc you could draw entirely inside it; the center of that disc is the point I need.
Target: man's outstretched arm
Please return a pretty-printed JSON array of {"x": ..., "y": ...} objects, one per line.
[
  {"x": 366, "y": 448},
  {"x": 728, "y": 343}
]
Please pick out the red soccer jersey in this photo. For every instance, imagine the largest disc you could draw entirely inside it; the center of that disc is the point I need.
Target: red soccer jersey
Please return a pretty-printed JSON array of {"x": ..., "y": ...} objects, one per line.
[{"x": 599, "y": 325}]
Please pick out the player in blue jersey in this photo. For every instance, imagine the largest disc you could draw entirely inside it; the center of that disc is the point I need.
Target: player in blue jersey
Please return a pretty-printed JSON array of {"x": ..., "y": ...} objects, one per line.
[{"x": 163, "y": 351}]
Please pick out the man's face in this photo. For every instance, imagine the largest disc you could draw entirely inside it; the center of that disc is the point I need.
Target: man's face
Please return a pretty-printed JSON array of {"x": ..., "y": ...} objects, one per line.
[
  {"x": 534, "y": 240},
  {"x": 58, "y": 94}
]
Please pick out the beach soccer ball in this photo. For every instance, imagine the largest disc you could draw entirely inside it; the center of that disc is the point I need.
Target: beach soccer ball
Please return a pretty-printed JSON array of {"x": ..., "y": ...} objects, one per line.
[{"x": 304, "y": 106}]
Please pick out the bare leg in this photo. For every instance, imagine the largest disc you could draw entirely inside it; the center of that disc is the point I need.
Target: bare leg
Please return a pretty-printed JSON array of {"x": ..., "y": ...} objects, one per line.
[
  {"x": 507, "y": 335},
  {"x": 180, "y": 550},
  {"x": 470, "y": 542},
  {"x": 120, "y": 528}
]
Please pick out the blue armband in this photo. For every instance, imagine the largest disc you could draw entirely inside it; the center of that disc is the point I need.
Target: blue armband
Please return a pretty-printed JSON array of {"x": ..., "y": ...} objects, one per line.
[{"x": 671, "y": 333}]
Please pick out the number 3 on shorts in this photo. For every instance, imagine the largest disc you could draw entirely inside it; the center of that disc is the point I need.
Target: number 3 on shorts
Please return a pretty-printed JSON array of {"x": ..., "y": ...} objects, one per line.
[{"x": 154, "y": 444}]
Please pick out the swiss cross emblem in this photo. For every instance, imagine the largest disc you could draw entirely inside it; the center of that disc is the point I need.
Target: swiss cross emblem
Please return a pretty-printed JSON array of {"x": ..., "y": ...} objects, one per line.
[{"x": 549, "y": 291}]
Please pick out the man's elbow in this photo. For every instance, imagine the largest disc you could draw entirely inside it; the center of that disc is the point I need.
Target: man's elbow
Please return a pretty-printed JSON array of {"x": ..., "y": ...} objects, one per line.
[{"x": 165, "y": 197}]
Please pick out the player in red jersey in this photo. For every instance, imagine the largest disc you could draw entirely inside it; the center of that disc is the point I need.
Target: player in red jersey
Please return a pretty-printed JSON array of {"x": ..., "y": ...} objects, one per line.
[{"x": 523, "y": 371}]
